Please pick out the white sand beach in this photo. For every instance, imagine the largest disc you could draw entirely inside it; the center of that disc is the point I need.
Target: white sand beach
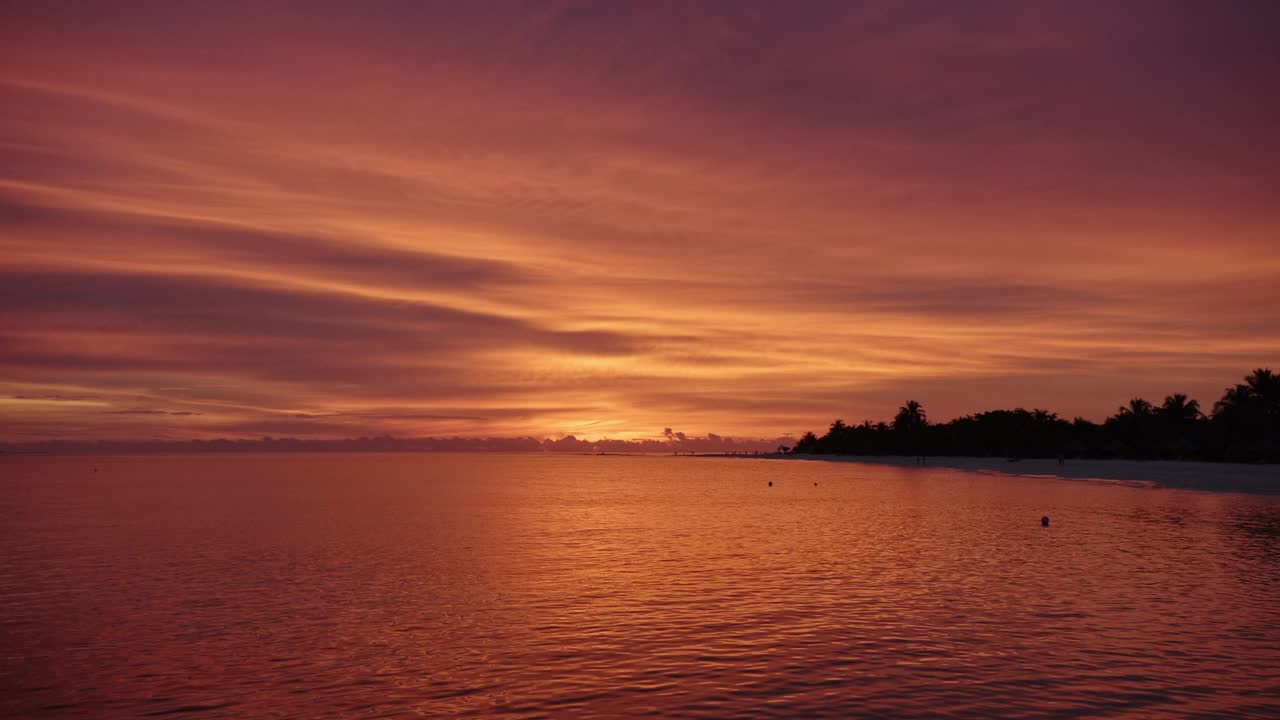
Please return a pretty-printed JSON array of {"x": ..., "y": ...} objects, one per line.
[{"x": 1219, "y": 477}]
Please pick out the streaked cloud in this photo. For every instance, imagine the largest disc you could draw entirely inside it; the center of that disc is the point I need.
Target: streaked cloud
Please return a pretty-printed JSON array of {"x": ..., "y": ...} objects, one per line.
[{"x": 605, "y": 219}]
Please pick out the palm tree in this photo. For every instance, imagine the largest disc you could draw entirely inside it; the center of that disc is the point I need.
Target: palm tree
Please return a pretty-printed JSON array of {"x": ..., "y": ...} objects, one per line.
[
  {"x": 806, "y": 444},
  {"x": 1263, "y": 381},
  {"x": 1247, "y": 418},
  {"x": 1137, "y": 407},
  {"x": 910, "y": 423},
  {"x": 1133, "y": 428},
  {"x": 1179, "y": 409},
  {"x": 1257, "y": 397},
  {"x": 1264, "y": 385},
  {"x": 1178, "y": 426},
  {"x": 910, "y": 417}
]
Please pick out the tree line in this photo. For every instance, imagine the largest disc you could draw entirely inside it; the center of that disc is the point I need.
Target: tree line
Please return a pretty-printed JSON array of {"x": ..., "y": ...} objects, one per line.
[{"x": 1243, "y": 426}]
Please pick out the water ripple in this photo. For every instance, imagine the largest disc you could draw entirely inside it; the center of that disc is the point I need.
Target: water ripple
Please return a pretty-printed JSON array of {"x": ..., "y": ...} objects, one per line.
[{"x": 530, "y": 586}]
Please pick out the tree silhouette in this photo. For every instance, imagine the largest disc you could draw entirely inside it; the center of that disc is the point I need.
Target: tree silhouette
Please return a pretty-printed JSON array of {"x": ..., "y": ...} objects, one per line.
[
  {"x": 910, "y": 417},
  {"x": 1247, "y": 418},
  {"x": 1177, "y": 407},
  {"x": 1179, "y": 426},
  {"x": 1258, "y": 398},
  {"x": 909, "y": 424},
  {"x": 808, "y": 443},
  {"x": 1137, "y": 407},
  {"x": 1244, "y": 426}
]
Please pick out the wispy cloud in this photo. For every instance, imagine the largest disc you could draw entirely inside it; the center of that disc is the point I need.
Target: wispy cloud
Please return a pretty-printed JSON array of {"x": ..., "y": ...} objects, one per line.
[{"x": 609, "y": 218}]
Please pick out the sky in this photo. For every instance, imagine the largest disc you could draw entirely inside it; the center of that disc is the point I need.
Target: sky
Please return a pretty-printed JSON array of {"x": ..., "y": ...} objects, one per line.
[{"x": 329, "y": 220}]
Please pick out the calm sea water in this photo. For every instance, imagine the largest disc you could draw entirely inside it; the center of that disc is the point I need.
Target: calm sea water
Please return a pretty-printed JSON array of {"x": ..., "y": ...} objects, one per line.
[{"x": 363, "y": 586}]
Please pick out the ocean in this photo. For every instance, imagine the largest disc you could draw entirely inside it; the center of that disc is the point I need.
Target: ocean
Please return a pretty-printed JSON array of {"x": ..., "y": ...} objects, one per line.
[{"x": 452, "y": 585}]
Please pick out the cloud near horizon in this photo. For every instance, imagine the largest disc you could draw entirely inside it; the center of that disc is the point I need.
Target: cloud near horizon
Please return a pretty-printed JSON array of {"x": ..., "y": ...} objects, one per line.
[{"x": 605, "y": 219}]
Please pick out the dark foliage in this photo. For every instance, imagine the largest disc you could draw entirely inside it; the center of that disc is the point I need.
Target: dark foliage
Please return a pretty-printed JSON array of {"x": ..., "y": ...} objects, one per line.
[{"x": 1243, "y": 427}]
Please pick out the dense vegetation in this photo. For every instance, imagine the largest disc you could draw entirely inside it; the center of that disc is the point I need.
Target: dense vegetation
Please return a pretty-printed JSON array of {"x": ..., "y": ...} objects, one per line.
[{"x": 1244, "y": 426}]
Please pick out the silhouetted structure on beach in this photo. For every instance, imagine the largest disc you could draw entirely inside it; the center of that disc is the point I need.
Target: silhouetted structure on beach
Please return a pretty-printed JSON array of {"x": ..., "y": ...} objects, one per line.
[{"x": 1244, "y": 426}]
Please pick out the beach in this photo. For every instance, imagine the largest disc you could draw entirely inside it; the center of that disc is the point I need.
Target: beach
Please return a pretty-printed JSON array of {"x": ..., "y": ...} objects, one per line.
[{"x": 1184, "y": 475}]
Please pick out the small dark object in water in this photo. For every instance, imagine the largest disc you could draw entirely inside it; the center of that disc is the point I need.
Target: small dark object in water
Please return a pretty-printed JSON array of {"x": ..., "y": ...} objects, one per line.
[
  {"x": 770, "y": 483},
  {"x": 1044, "y": 521},
  {"x": 815, "y": 484}
]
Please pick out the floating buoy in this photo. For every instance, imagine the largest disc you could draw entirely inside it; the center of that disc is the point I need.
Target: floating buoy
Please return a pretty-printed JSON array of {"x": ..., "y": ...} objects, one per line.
[
  {"x": 1044, "y": 521},
  {"x": 770, "y": 483}
]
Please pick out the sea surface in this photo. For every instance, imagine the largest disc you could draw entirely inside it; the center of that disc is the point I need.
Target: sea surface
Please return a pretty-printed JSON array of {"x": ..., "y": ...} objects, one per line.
[{"x": 421, "y": 585}]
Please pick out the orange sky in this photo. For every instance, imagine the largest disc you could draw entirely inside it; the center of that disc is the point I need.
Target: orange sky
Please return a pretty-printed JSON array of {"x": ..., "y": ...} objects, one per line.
[{"x": 605, "y": 219}]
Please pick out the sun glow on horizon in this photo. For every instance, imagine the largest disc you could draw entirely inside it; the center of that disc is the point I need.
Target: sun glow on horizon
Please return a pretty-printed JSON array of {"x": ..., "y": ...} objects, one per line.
[{"x": 318, "y": 225}]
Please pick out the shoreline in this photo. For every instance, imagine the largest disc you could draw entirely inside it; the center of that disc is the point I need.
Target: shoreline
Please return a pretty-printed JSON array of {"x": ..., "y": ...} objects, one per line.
[{"x": 1175, "y": 474}]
